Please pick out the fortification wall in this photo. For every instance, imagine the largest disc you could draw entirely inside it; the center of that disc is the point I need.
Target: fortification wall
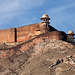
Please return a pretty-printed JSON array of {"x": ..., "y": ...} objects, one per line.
[
  {"x": 28, "y": 32},
  {"x": 22, "y": 33},
  {"x": 55, "y": 35},
  {"x": 7, "y": 35}
]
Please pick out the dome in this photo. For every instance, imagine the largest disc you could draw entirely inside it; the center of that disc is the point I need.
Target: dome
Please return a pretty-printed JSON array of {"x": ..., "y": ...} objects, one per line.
[
  {"x": 45, "y": 16},
  {"x": 70, "y": 32}
]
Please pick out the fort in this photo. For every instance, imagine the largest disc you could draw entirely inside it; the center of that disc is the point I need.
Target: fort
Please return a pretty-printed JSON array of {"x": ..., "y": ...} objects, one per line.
[
  {"x": 36, "y": 49},
  {"x": 28, "y": 32},
  {"x": 16, "y": 40}
]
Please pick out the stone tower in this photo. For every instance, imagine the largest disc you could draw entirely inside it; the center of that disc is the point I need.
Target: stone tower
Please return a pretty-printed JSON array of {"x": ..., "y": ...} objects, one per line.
[
  {"x": 45, "y": 23},
  {"x": 71, "y": 36}
]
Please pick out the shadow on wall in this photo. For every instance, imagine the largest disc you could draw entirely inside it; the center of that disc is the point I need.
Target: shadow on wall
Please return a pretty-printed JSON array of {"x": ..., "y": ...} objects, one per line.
[
  {"x": 64, "y": 36},
  {"x": 15, "y": 35}
]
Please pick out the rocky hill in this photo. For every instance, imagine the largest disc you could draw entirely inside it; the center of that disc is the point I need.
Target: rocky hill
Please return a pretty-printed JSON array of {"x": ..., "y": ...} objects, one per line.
[{"x": 47, "y": 57}]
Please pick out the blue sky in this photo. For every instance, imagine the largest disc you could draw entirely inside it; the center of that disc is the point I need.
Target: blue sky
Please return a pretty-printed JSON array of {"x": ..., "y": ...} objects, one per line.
[{"x": 17, "y": 13}]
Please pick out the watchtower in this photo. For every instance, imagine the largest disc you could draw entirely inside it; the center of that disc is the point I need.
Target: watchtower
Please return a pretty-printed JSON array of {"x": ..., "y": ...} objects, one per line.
[
  {"x": 71, "y": 36},
  {"x": 45, "y": 23}
]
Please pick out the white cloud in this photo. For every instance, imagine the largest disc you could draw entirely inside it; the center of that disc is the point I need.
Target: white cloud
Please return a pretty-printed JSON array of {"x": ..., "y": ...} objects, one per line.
[
  {"x": 12, "y": 8},
  {"x": 14, "y": 5}
]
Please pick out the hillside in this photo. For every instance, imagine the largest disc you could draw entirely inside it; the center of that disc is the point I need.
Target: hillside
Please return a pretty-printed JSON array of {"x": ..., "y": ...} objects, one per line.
[{"x": 47, "y": 57}]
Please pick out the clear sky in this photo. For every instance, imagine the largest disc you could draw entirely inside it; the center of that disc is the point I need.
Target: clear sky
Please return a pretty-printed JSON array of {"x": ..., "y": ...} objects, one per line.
[{"x": 17, "y": 13}]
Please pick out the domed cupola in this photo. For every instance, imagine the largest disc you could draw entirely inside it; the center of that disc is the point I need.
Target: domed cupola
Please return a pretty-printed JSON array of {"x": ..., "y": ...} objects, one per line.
[
  {"x": 71, "y": 32},
  {"x": 45, "y": 16},
  {"x": 45, "y": 19},
  {"x": 45, "y": 23},
  {"x": 71, "y": 36}
]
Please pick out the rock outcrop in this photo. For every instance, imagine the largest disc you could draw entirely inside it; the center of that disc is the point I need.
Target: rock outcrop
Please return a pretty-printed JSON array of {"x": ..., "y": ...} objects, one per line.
[{"x": 47, "y": 57}]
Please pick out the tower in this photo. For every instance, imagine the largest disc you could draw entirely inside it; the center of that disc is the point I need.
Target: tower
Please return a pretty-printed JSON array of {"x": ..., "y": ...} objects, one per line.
[
  {"x": 45, "y": 23},
  {"x": 71, "y": 36}
]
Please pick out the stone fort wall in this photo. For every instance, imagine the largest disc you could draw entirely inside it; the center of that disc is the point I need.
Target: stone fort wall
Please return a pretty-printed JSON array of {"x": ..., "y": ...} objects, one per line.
[
  {"x": 20, "y": 33},
  {"x": 28, "y": 32},
  {"x": 24, "y": 33},
  {"x": 7, "y": 35}
]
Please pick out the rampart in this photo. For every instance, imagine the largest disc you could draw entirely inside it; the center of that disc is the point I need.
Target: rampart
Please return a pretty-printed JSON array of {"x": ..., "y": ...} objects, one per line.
[
  {"x": 28, "y": 32},
  {"x": 22, "y": 33},
  {"x": 7, "y": 35},
  {"x": 15, "y": 41},
  {"x": 23, "y": 38}
]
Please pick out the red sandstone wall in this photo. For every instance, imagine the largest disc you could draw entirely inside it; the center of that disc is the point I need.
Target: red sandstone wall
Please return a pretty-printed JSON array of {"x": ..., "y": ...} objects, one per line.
[
  {"x": 7, "y": 35},
  {"x": 20, "y": 34},
  {"x": 12, "y": 35},
  {"x": 4, "y": 35},
  {"x": 28, "y": 32}
]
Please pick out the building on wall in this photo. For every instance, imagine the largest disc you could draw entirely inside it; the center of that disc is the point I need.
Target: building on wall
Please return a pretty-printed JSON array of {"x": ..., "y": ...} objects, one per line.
[
  {"x": 71, "y": 36},
  {"x": 27, "y": 32}
]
